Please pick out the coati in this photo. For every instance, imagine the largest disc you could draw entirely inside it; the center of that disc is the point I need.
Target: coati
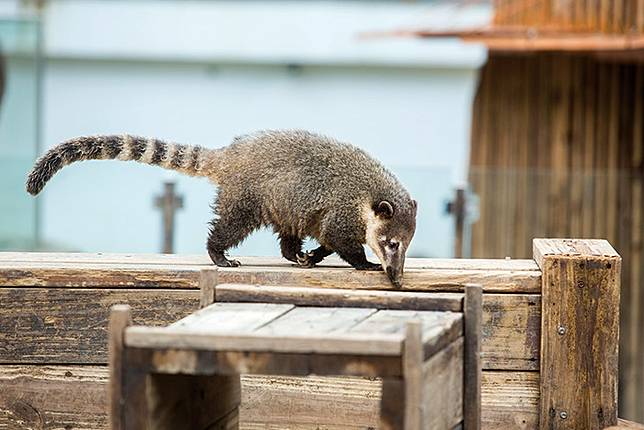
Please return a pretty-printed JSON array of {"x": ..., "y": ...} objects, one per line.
[{"x": 300, "y": 183}]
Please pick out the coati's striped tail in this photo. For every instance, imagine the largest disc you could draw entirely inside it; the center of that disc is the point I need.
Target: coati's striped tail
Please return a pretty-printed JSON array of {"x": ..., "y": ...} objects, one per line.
[{"x": 183, "y": 158}]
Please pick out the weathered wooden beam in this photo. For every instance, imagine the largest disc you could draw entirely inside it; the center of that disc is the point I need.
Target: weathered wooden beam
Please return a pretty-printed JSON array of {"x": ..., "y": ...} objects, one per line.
[
  {"x": 53, "y": 396},
  {"x": 69, "y": 325},
  {"x": 97, "y": 274},
  {"x": 336, "y": 297},
  {"x": 579, "y": 333}
]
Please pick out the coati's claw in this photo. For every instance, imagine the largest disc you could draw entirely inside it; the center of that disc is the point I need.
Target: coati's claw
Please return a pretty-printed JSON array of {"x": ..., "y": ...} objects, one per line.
[{"x": 305, "y": 259}]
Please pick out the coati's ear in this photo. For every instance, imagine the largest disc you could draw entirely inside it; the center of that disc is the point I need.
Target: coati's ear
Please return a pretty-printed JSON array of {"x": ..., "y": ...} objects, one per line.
[
  {"x": 384, "y": 209},
  {"x": 414, "y": 205}
]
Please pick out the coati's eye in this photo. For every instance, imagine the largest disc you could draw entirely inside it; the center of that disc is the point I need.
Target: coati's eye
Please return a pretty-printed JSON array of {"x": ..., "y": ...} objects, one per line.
[{"x": 393, "y": 245}]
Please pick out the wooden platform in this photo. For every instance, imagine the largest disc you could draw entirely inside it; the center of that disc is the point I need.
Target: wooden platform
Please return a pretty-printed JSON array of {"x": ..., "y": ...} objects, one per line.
[{"x": 53, "y": 348}]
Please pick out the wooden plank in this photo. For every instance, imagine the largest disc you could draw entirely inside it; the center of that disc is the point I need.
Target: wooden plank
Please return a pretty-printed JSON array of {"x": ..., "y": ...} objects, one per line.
[
  {"x": 230, "y": 318},
  {"x": 70, "y": 325},
  {"x": 413, "y": 375},
  {"x": 44, "y": 274},
  {"x": 120, "y": 317},
  {"x": 311, "y": 321},
  {"x": 415, "y": 279},
  {"x": 438, "y": 328},
  {"x": 473, "y": 313},
  {"x": 48, "y": 397},
  {"x": 580, "y": 321},
  {"x": 349, "y": 343},
  {"x": 202, "y": 362},
  {"x": 442, "y": 379},
  {"x": 331, "y": 297},
  {"x": 204, "y": 261},
  {"x": 510, "y": 400},
  {"x": 511, "y": 331}
]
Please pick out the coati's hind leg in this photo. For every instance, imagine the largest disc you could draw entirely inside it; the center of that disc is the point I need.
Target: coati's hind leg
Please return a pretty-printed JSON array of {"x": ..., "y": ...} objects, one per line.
[
  {"x": 311, "y": 258},
  {"x": 238, "y": 216},
  {"x": 291, "y": 247}
]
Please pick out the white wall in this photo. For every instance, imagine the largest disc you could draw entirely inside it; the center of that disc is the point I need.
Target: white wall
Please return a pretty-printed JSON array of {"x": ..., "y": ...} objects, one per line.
[{"x": 413, "y": 117}]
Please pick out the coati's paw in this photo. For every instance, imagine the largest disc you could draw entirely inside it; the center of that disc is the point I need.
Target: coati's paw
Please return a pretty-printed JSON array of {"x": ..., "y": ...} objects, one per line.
[
  {"x": 221, "y": 261},
  {"x": 373, "y": 267},
  {"x": 305, "y": 259},
  {"x": 231, "y": 263}
]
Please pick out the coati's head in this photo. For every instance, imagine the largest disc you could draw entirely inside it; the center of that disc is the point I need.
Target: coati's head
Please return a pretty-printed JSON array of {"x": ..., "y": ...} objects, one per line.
[{"x": 389, "y": 231}]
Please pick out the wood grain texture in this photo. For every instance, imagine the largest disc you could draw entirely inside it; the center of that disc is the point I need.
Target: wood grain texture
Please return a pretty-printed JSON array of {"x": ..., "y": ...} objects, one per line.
[
  {"x": 70, "y": 325},
  {"x": 336, "y": 297},
  {"x": 511, "y": 331},
  {"x": 53, "y": 397},
  {"x": 580, "y": 321},
  {"x": 442, "y": 388},
  {"x": 205, "y": 262},
  {"x": 116, "y": 275}
]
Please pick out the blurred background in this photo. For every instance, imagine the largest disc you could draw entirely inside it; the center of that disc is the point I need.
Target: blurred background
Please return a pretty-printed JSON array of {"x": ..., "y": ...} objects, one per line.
[{"x": 506, "y": 119}]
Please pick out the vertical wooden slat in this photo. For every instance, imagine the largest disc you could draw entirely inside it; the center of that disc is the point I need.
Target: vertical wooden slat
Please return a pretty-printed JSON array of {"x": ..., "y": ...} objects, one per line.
[
  {"x": 120, "y": 318},
  {"x": 473, "y": 314},
  {"x": 412, "y": 373},
  {"x": 207, "y": 284}
]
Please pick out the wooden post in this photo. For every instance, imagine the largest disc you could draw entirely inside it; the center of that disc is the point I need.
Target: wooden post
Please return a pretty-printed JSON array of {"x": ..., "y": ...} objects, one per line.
[
  {"x": 413, "y": 375},
  {"x": 120, "y": 318},
  {"x": 457, "y": 209},
  {"x": 579, "y": 333},
  {"x": 168, "y": 202},
  {"x": 207, "y": 284},
  {"x": 473, "y": 313}
]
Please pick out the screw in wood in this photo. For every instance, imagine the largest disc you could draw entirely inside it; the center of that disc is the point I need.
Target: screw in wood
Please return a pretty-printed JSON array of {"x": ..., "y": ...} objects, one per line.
[
  {"x": 563, "y": 415},
  {"x": 561, "y": 330}
]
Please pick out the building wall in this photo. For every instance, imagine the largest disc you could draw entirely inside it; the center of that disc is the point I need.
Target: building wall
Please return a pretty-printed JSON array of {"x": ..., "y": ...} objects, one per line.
[{"x": 193, "y": 72}]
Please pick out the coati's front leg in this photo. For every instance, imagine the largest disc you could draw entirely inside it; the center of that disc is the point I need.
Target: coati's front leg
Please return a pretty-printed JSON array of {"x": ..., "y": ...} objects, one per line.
[
  {"x": 311, "y": 258},
  {"x": 291, "y": 247},
  {"x": 238, "y": 217},
  {"x": 339, "y": 233}
]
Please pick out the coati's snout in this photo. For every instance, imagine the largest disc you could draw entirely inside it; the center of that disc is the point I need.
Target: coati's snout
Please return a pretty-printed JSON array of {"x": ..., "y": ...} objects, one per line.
[{"x": 390, "y": 229}]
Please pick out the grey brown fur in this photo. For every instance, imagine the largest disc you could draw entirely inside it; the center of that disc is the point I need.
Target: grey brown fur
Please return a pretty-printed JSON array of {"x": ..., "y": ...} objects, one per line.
[{"x": 300, "y": 183}]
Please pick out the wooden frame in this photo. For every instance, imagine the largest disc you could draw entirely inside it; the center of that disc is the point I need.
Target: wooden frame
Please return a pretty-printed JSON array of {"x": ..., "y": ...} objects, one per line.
[{"x": 136, "y": 354}]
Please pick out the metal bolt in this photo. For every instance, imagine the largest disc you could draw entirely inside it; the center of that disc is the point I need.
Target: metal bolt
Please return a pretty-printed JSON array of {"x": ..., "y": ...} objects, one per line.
[
  {"x": 561, "y": 330},
  {"x": 563, "y": 415}
]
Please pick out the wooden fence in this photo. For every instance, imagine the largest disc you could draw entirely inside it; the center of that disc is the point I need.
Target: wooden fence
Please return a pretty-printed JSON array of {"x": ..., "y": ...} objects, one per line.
[
  {"x": 607, "y": 16},
  {"x": 557, "y": 151},
  {"x": 53, "y": 349}
]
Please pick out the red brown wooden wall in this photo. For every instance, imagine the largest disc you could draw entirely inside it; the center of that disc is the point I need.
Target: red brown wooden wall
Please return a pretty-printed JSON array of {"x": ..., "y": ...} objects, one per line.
[{"x": 556, "y": 151}]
